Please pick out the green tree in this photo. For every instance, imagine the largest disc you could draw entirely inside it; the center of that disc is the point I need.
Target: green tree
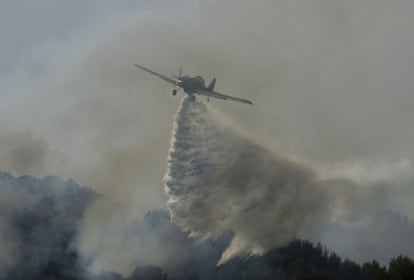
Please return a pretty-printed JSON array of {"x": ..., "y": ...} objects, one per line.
[
  {"x": 401, "y": 268},
  {"x": 372, "y": 270}
]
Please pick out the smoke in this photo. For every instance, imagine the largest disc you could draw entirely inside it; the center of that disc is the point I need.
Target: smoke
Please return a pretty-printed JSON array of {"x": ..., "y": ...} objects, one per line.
[
  {"x": 22, "y": 152},
  {"x": 379, "y": 235},
  {"x": 219, "y": 180},
  {"x": 110, "y": 240},
  {"x": 316, "y": 71},
  {"x": 38, "y": 220},
  {"x": 331, "y": 82}
]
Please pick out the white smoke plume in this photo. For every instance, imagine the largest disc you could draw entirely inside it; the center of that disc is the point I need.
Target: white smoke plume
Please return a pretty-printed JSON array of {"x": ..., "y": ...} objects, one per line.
[
  {"x": 110, "y": 240},
  {"x": 219, "y": 180}
]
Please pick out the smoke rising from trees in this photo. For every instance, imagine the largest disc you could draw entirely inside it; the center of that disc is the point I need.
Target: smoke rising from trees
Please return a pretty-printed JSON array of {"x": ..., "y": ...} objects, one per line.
[
  {"x": 332, "y": 83},
  {"x": 44, "y": 220}
]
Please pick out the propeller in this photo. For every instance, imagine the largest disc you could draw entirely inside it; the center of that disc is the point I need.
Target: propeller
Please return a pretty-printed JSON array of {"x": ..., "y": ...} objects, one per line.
[{"x": 180, "y": 73}]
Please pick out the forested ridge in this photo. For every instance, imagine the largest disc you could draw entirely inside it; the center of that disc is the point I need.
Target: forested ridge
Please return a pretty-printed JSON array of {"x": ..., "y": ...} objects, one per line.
[{"x": 38, "y": 230}]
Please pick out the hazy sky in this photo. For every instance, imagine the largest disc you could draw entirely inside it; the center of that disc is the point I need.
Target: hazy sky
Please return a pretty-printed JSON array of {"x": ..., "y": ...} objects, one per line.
[{"x": 331, "y": 81}]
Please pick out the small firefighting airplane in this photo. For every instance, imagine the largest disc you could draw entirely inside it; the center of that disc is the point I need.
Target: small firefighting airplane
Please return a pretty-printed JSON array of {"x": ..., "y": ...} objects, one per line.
[{"x": 194, "y": 85}]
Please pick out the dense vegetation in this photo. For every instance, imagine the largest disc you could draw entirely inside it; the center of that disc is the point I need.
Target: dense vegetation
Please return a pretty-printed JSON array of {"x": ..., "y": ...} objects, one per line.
[{"x": 38, "y": 227}]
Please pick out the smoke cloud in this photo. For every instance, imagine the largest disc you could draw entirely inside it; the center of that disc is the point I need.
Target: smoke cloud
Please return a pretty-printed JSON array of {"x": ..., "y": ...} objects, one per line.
[
  {"x": 220, "y": 180},
  {"x": 22, "y": 152},
  {"x": 110, "y": 240},
  {"x": 315, "y": 71},
  {"x": 38, "y": 220},
  {"x": 331, "y": 82}
]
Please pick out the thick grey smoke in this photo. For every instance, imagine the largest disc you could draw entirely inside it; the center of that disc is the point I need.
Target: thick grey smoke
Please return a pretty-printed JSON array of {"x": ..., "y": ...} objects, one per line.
[
  {"x": 22, "y": 152},
  {"x": 331, "y": 81},
  {"x": 38, "y": 220},
  {"x": 109, "y": 240},
  {"x": 219, "y": 180},
  {"x": 381, "y": 235}
]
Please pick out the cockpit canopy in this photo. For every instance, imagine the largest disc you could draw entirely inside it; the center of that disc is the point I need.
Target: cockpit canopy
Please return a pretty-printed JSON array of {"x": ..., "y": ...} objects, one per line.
[{"x": 200, "y": 79}]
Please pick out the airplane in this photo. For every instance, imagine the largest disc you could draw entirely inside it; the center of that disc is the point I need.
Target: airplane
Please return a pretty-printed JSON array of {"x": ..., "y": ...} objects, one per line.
[{"x": 192, "y": 85}]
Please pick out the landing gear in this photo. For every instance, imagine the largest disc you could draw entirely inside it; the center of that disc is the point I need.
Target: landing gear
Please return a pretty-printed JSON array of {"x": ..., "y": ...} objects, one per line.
[
  {"x": 174, "y": 92},
  {"x": 193, "y": 98}
]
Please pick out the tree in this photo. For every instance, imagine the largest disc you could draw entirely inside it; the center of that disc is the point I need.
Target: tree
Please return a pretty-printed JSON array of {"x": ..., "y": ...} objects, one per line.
[
  {"x": 401, "y": 267},
  {"x": 372, "y": 270}
]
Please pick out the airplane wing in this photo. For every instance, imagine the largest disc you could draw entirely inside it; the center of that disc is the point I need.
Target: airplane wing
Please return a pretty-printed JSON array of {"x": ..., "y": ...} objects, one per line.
[
  {"x": 165, "y": 78},
  {"x": 224, "y": 97}
]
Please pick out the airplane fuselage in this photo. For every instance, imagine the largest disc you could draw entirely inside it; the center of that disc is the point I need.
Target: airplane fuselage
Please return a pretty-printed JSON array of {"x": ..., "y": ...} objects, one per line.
[{"x": 191, "y": 85}]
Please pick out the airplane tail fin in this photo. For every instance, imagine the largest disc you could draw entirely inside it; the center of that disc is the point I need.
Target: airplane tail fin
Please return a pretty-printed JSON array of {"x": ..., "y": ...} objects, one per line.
[{"x": 212, "y": 84}]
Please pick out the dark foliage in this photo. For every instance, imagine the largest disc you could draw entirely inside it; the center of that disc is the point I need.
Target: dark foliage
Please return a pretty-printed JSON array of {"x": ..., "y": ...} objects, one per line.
[
  {"x": 401, "y": 268},
  {"x": 148, "y": 272}
]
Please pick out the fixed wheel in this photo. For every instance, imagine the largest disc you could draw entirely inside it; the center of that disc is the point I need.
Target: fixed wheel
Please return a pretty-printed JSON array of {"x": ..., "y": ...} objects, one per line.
[
  {"x": 193, "y": 98},
  {"x": 174, "y": 92}
]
